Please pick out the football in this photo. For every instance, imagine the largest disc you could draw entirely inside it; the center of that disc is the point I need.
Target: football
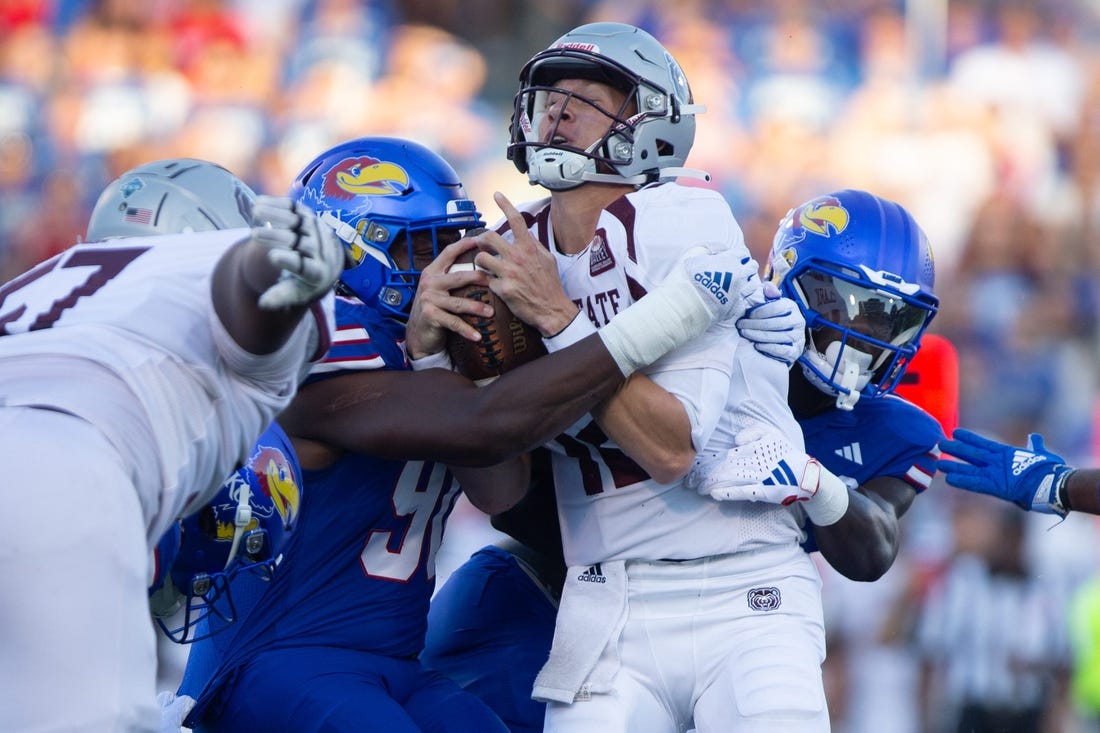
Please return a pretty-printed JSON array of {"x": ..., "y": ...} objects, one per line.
[{"x": 506, "y": 341}]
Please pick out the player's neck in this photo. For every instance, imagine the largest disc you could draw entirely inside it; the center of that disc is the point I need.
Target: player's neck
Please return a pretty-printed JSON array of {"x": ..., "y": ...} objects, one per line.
[
  {"x": 575, "y": 213},
  {"x": 805, "y": 399}
]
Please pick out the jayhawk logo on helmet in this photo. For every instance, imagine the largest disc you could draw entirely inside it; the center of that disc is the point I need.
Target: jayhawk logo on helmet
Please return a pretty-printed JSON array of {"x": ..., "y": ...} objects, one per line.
[
  {"x": 276, "y": 479},
  {"x": 364, "y": 176},
  {"x": 823, "y": 216}
]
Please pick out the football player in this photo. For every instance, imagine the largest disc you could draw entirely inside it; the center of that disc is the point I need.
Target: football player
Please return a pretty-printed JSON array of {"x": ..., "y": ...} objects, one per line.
[
  {"x": 604, "y": 119},
  {"x": 136, "y": 375},
  {"x": 490, "y": 626},
  {"x": 385, "y": 444}
]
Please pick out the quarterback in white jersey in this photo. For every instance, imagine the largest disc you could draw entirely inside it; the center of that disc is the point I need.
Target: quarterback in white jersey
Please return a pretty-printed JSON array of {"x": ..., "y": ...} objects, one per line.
[
  {"x": 135, "y": 375},
  {"x": 606, "y": 500},
  {"x": 678, "y": 611}
]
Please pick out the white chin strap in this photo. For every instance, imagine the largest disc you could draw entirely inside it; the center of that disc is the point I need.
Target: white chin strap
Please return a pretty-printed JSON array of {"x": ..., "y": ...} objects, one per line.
[
  {"x": 561, "y": 170},
  {"x": 241, "y": 519},
  {"x": 852, "y": 373}
]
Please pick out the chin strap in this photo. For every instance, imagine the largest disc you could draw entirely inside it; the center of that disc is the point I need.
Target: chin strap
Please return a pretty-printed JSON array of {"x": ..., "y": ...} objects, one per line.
[
  {"x": 241, "y": 520},
  {"x": 851, "y": 370},
  {"x": 642, "y": 179}
]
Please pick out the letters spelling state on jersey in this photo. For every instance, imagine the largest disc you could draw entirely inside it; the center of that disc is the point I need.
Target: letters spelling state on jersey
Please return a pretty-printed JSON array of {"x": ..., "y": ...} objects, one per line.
[
  {"x": 359, "y": 571},
  {"x": 610, "y": 508},
  {"x": 130, "y": 324}
]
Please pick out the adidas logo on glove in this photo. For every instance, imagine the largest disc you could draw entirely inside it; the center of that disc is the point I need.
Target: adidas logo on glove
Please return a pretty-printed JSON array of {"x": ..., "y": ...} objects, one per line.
[
  {"x": 718, "y": 283},
  {"x": 1023, "y": 460}
]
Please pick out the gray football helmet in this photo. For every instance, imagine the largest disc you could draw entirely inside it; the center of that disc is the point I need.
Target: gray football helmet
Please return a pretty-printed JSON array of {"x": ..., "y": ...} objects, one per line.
[
  {"x": 170, "y": 197},
  {"x": 648, "y": 138}
]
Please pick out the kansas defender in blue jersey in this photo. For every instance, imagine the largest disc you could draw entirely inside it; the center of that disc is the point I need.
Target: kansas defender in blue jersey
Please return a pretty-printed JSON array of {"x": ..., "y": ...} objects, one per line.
[
  {"x": 491, "y": 624},
  {"x": 333, "y": 639}
]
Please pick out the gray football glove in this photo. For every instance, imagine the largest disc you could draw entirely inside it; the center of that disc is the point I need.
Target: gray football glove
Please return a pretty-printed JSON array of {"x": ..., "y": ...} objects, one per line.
[{"x": 310, "y": 255}]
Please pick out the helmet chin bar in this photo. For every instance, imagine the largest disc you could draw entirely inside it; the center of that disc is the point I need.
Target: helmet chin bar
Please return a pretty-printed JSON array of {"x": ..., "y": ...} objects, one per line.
[
  {"x": 562, "y": 170},
  {"x": 557, "y": 169}
]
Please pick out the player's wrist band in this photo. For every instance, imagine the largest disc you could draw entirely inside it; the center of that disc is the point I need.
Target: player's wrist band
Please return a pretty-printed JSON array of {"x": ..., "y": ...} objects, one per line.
[
  {"x": 439, "y": 360},
  {"x": 1061, "y": 493},
  {"x": 830, "y": 502},
  {"x": 577, "y": 330}
]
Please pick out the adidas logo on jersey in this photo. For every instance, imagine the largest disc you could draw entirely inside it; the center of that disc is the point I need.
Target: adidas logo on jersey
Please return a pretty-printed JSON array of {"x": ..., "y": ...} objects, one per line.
[
  {"x": 851, "y": 453},
  {"x": 782, "y": 475},
  {"x": 1023, "y": 460},
  {"x": 718, "y": 283},
  {"x": 593, "y": 575}
]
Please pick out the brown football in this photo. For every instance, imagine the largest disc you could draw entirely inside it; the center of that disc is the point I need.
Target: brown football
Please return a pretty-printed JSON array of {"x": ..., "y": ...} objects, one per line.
[{"x": 506, "y": 341}]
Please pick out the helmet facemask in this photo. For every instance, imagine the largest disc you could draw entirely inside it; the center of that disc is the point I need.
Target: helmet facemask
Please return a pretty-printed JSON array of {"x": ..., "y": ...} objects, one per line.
[
  {"x": 860, "y": 338},
  {"x": 554, "y": 163},
  {"x": 388, "y": 254}
]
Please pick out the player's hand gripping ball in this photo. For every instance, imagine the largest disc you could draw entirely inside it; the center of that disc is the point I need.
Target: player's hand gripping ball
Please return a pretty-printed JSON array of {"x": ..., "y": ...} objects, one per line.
[{"x": 506, "y": 341}]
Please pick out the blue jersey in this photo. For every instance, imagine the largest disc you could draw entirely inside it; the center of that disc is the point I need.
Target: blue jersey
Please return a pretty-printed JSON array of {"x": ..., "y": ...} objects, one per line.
[
  {"x": 885, "y": 436},
  {"x": 359, "y": 571}
]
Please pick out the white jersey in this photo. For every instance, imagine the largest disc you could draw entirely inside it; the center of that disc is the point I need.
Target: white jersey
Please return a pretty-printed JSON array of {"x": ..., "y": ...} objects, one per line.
[
  {"x": 124, "y": 335},
  {"x": 609, "y": 508}
]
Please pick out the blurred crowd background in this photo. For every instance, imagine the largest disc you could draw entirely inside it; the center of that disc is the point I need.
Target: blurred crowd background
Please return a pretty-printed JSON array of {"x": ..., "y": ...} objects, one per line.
[{"x": 983, "y": 118}]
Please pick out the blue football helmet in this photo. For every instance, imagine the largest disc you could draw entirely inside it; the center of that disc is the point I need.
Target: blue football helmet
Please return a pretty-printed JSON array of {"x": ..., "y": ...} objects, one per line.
[
  {"x": 377, "y": 193},
  {"x": 243, "y": 529},
  {"x": 861, "y": 271}
]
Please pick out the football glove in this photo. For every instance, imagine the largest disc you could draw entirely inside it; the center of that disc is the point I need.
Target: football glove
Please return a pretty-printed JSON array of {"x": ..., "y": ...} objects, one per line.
[
  {"x": 1030, "y": 477},
  {"x": 776, "y": 327},
  {"x": 727, "y": 282},
  {"x": 309, "y": 254},
  {"x": 764, "y": 466}
]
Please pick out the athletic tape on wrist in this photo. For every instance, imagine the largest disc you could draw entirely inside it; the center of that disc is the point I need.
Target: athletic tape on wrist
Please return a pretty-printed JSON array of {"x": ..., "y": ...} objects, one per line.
[
  {"x": 668, "y": 316},
  {"x": 438, "y": 360},
  {"x": 830, "y": 502},
  {"x": 577, "y": 330}
]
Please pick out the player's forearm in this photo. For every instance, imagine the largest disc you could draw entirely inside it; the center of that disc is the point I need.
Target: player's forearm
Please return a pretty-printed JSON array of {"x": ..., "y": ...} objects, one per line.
[
  {"x": 241, "y": 275},
  {"x": 863, "y": 544},
  {"x": 651, "y": 426},
  {"x": 497, "y": 488},
  {"x": 1083, "y": 491},
  {"x": 440, "y": 415}
]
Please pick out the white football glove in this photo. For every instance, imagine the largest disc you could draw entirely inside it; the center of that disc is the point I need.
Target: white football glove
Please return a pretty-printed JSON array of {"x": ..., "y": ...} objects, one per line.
[
  {"x": 776, "y": 327},
  {"x": 310, "y": 255},
  {"x": 727, "y": 282},
  {"x": 764, "y": 466}
]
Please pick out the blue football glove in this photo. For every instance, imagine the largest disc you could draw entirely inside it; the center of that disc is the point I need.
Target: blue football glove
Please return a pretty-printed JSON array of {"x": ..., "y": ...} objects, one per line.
[
  {"x": 1029, "y": 477},
  {"x": 776, "y": 327}
]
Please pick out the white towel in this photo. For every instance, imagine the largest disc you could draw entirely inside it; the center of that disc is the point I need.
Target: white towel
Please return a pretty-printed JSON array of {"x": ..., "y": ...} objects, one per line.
[{"x": 584, "y": 657}]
